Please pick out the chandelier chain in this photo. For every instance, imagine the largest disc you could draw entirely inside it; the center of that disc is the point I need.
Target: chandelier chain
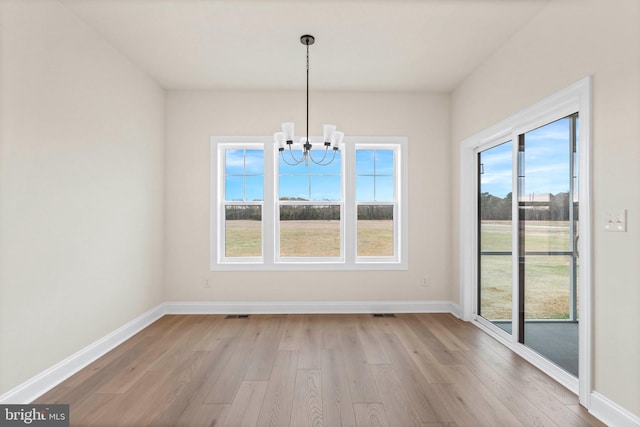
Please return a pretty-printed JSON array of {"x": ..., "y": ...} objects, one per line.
[{"x": 307, "y": 141}]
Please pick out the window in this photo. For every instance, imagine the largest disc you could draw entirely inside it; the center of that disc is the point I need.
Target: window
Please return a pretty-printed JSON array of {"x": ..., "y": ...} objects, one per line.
[
  {"x": 309, "y": 207},
  {"x": 267, "y": 214},
  {"x": 243, "y": 202},
  {"x": 376, "y": 202}
]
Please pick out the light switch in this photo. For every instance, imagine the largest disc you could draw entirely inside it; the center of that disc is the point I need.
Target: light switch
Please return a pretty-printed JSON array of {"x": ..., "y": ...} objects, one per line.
[{"x": 616, "y": 221}]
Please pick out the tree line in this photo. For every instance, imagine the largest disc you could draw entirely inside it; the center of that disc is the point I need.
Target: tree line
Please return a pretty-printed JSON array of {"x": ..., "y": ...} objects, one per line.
[
  {"x": 309, "y": 212},
  {"x": 496, "y": 208}
]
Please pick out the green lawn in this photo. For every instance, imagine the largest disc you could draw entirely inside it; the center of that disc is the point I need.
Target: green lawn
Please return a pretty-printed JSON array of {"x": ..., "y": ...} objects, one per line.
[
  {"x": 309, "y": 238},
  {"x": 546, "y": 277}
]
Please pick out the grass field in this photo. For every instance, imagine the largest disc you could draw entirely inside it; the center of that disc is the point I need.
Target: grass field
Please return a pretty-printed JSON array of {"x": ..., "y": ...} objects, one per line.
[
  {"x": 546, "y": 277},
  {"x": 309, "y": 238}
]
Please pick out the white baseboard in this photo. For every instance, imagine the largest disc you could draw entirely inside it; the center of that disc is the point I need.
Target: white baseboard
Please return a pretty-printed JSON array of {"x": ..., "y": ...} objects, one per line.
[
  {"x": 49, "y": 378},
  {"x": 610, "y": 413},
  {"x": 311, "y": 307}
]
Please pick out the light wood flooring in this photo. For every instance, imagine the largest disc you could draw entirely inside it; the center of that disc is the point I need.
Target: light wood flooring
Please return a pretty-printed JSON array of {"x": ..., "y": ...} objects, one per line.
[{"x": 315, "y": 370}]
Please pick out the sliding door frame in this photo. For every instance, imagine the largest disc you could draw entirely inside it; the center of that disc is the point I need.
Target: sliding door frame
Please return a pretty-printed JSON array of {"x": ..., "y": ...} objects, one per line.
[{"x": 575, "y": 98}]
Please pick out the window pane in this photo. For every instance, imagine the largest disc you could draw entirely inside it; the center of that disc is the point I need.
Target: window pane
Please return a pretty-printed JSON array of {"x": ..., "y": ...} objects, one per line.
[
  {"x": 496, "y": 289},
  {"x": 334, "y": 168},
  {"x": 286, "y": 169},
  {"x": 244, "y": 175},
  {"x": 326, "y": 188},
  {"x": 375, "y": 230},
  {"x": 294, "y": 188},
  {"x": 365, "y": 162},
  {"x": 243, "y": 231},
  {"x": 384, "y": 189},
  {"x": 254, "y": 188},
  {"x": 234, "y": 162},
  {"x": 254, "y": 162},
  {"x": 364, "y": 188},
  {"x": 375, "y": 175},
  {"x": 234, "y": 188},
  {"x": 545, "y": 190},
  {"x": 310, "y": 231},
  {"x": 384, "y": 162},
  {"x": 547, "y": 287}
]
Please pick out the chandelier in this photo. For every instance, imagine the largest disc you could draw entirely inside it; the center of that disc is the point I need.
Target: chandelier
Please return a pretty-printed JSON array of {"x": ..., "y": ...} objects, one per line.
[{"x": 332, "y": 138}]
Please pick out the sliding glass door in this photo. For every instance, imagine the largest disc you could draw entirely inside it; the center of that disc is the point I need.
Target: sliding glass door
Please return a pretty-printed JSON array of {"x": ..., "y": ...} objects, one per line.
[
  {"x": 495, "y": 235},
  {"x": 548, "y": 259},
  {"x": 538, "y": 266}
]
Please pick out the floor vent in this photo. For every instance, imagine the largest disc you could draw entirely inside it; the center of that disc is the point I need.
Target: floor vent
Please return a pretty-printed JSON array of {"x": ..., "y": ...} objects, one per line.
[
  {"x": 383, "y": 315},
  {"x": 237, "y": 316}
]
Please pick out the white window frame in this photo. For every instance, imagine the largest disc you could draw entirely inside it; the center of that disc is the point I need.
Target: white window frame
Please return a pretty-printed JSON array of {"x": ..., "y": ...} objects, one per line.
[
  {"x": 397, "y": 210},
  {"x": 270, "y": 209},
  {"x": 222, "y": 204},
  {"x": 280, "y": 260}
]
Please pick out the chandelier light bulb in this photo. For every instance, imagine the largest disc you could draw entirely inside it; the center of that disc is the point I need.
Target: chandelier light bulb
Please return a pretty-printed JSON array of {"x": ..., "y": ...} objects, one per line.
[
  {"x": 280, "y": 140},
  {"x": 328, "y": 132},
  {"x": 336, "y": 141},
  {"x": 287, "y": 129}
]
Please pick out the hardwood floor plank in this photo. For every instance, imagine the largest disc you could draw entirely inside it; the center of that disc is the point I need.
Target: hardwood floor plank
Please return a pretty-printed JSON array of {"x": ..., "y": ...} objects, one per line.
[
  {"x": 266, "y": 349},
  {"x": 246, "y": 406},
  {"x": 217, "y": 360},
  {"x": 123, "y": 380},
  {"x": 206, "y": 365},
  {"x": 368, "y": 332},
  {"x": 395, "y": 398},
  {"x": 200, "y": 415},
  {"x": 441, "y": 353},
  {"x": 336, "y": 397},
  {"x": 307, "y": 401},
  {"x": 446, "y": 337},
  {"x": 292, "y": 334},
  {"x": 426, "y": 362},
  {"x": 410, "y": 376},
  {"x": 361, "y": 384},
  {"x": 227, "y": 384},
  {"x": 449, "y": 406},
  {"x": 278, "y": 400},
  {"x": 330, "y": 334},
  {"x": 150, "y": 394},
  {"x": 310, "y": 343},
  {"x": 511, "y": 397},
  {"x": 371, "y": 415},
  {"x": 481, "y": 402}
]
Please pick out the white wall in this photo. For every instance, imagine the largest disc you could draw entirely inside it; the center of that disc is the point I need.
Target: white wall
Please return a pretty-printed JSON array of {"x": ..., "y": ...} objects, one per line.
[
  {"x": 565, "y": 42},
  {"x": 193, "y": 117},
  {"x": 81, "y": 198}
]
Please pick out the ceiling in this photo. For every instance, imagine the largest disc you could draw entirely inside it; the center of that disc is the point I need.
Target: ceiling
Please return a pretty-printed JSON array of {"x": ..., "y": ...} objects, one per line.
[{"x": 374, "y": 45}]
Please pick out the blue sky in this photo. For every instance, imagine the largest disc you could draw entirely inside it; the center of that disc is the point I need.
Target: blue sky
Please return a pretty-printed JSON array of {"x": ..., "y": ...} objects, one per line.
[
  {"x": 546, "y": 162},
  {"x": 244, "y": 171}
]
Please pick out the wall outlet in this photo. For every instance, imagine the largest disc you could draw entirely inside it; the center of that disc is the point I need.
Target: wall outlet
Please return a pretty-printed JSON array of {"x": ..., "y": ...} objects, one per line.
[
  {"x": 206, "y": 284},
  {"x": 424, "y": 283}
]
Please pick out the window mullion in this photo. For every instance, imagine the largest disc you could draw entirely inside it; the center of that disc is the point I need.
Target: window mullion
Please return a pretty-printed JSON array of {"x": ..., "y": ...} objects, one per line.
[{"x": 349, "y": 203}]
